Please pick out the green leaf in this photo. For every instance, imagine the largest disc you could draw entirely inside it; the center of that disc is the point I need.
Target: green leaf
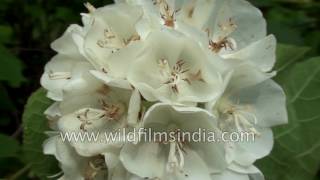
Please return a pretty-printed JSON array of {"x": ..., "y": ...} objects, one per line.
[
  {"x": 9, "y": 146},
  {"x": 35, "y": 124},
  {"x": 296, "y": 154},
  {"x": 287, "y": 55},
  {"x": 313, "y": 40},
  {"x": 11, "y": 69},
  {"x": 288, "y": 30}
]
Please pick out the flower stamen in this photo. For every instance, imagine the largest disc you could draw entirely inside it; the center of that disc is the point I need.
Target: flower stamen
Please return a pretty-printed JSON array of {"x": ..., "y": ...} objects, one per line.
[
  {"x": 59, "y": 75},
  {"x": 110, "y": 41},
  {"x": 86, "y": 120},
  {"x": 96, "y": 165},
  {"x": 224, "y": 41},
  {"x": 177, "y": 150},
  {"x": 178, "y": 73},
  {"x": 113, "y": 112},
  {"x": 134, "y": 37},
  {"x": 241, "y": 117},
  {"x": 167, "y": 14},
  {"x": 90, "y": 7}
]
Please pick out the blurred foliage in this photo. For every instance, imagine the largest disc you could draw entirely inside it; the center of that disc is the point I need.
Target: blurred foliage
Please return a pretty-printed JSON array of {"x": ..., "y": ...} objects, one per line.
[
  {"x": 28, "y": 26},
  {"x": 293, "y": 21}
]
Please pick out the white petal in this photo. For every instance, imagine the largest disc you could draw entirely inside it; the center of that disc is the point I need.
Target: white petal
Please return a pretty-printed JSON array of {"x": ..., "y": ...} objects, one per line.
[
  {"x": 253, "y": 172},
  {"x": 248, "y": 152},
  {"x": 151, "y": 78},
  {"x": 261, "y": 54},
  {"x": 111, "y": 81},
  {"x": 196, "y": 13},
  {"x": 112, "y": 19},
  {"x": 94, "y": 140},
  {"x": 251, "y": 169},
  {"x": 134, "y": 108},
  {"x": 144, "y": 159},
  {"x": 251, "y": 26},
  {"x": 71, "y": 163},
  {"x": 230, "y": 175},
  {"x": 190, "y": 119},
  {"x": 268, "y": 101},
  {"x": 246, "y": 75},
  {"x": 53, "y": 111},
  {"x": 195, "y": 168},
  {"x": 63, "y": 74},
  {"x": 66, "y": 45}
]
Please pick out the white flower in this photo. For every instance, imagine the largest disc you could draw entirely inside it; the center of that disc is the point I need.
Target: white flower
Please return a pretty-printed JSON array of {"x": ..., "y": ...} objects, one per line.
[
  {"x": 68, "y": 44},
  {"x": 68, "y": 71},
  {"x": 239, "y": 173},
  {"x": 235, "y": 22},
  {"x": 233, "y": 25},
  {"x": 175, "y": 159},
  {"x": 99, "y": 167},
  {"x": 261, "y": 55},
  {"x": 73, "y": 165},
  {"x": 116, "y": 170},
  {"x": 222, "y": 26},
  {"x": 65, "y": 75},
  {"x": 102, "y": 110},
  {"x": 112, "y": 42},
  {"x": 174, "y": 69},
  {"x": 251, "y": 109}
]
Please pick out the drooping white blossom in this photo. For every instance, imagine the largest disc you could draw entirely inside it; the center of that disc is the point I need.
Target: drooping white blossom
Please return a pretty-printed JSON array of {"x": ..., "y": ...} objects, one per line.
[
  {"x": 68, "y": 70},
  {"x": 73, "y": 165},
  {"x": 254, "y": 110},
  {"x": 104, "y": 110},
  {"x": 175, "y": 158}
]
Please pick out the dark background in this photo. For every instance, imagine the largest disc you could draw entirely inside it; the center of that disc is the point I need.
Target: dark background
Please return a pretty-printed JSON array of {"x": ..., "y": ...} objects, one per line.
[{"x": 27, "y": 27}]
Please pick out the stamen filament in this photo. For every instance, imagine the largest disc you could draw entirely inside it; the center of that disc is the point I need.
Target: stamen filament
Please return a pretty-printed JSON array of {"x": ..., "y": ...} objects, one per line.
[{"x": 59, "y": 75}]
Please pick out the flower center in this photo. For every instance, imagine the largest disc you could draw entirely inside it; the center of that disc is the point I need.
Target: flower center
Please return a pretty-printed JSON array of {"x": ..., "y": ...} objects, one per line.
[
  {"x": 167, "y": 13},
  {"x": 95, "y": 166},
  {"x": 239, "y": 116},
  {"x": 177, "y": 74},
  {"x": 87, "y": 117},
  {"x": 113, "y": 112},
  {"x": 111, "y": 41},
  {"x": 223, "y": 41},
  {"x": 175, "y": 162},
  {"x": 110, "y": 112},
  {"x": 177, "y": 145}
]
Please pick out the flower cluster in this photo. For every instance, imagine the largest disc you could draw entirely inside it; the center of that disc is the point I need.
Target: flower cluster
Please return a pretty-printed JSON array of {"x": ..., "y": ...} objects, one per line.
[{"x": 165, "y": 65}]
